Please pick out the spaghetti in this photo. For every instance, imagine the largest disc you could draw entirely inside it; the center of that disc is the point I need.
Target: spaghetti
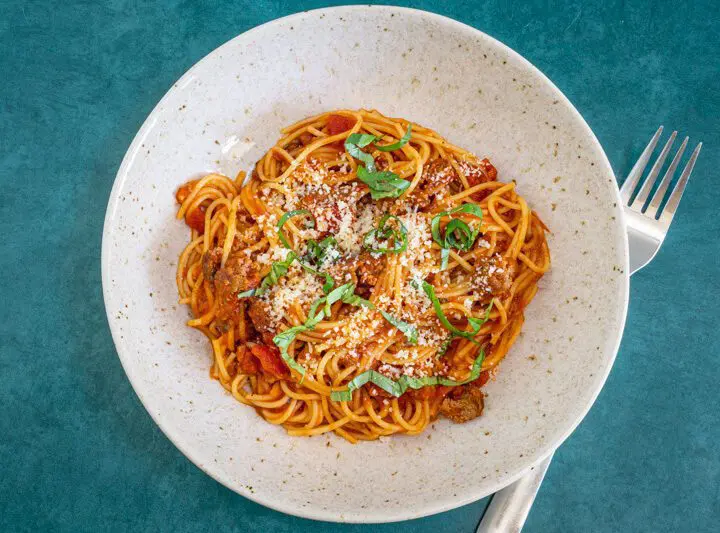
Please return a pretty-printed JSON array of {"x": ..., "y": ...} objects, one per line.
[{"x": 367, "y": 278}]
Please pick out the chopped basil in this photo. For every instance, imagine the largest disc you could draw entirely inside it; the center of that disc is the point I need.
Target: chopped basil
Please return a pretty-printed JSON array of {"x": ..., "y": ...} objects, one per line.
[
  {"x": 322, "y": 247},
  {"x": 383, "y": 184},
  {"x": 285, "y": 339},
  {"x": 409, "y": 330},
  {"x": 382, "y": 232},
  {"x": 458, "y": 234},
  {"x": 475, "y": 323},
  {"x": 343, "y": 292},
  {"x": 444, "y": 347},
  {"x": 396, "y": 146},
  {"x": 329, "y": 281},
  {"x": 287, "y": 216},
  {"x": 346, "y": 293},
  {"x": 356, "y": 141},
  {"x": 277, "y": 270},
  {"x": 398, "y": 388},
  {"x": 319, "y": 252}
]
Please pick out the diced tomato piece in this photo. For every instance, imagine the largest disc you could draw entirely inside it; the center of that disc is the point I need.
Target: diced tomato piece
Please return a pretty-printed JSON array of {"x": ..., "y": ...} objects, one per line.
[
  {"x": 339, "y": 123},
  {"x": 483, "y": 172},
  {"x": 270, "y": 360},
  {"x": 484, "y": 378},
  {"x": 489, "y": 169},
  {"x": 196, "y": 219},
  {"x": 184, "y": 191},
  {"x": 247, "y": 363}
]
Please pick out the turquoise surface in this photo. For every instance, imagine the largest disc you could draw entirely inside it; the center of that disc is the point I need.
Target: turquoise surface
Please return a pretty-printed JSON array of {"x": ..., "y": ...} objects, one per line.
[{"x": 77, "y": 449}]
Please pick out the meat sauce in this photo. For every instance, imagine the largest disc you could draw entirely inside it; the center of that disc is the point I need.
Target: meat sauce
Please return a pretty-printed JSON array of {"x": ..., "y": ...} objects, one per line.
[{"x": 240, "y": 273}]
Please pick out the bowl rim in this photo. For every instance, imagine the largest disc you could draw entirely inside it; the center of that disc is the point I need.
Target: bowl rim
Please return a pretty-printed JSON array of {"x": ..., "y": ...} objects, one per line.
[{"x": 178, "y": 440}]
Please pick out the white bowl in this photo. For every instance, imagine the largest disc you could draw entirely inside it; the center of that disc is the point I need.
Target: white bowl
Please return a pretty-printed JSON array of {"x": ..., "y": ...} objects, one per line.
[{"x": 226, "y": 111}]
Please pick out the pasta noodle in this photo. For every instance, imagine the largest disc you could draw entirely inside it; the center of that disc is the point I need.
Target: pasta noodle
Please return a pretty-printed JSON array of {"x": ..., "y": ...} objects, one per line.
[{"x": 367, "y": 278}]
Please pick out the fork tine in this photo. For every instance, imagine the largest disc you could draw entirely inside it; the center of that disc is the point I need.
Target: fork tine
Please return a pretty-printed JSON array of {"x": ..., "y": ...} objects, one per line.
[
  {"x": 657, "y": 198},
  {"x": 669, "y": 211},
  {"x": 632, "y": 179},
  {"x": 647, "y": 185}
]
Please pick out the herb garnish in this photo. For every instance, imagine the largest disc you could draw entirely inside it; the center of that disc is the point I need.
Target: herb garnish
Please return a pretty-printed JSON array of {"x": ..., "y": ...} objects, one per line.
[
  {"x": 356, "y": 141},
  {"x": 287, "y": 216},
  {"x": 277, "y": 270},
  {"x": 383, "y": 184},
  {"x": 396, "y": 146},
  {"x": 458, "y": 234},
  {"x": 402, "y": 384},
  {"x": 314, "y": 249},
  {"x": 409, "y": 330},
  {"x": 318, "y": 252},
  {"x": 475, "y": 323},
  {"x": 383, "y": 232}
]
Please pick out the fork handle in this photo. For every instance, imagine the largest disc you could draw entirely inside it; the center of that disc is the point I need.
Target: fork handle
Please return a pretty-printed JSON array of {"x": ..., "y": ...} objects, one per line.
[{"x": 510, "y": 506}]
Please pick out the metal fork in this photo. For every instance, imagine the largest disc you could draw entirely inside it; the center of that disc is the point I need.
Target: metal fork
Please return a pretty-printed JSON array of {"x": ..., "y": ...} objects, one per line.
[{"x": 647, "y": 225}]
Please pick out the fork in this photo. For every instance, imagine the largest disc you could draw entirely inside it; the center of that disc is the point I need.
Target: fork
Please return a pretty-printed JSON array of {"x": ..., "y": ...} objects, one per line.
[{"x": 647, "y": 226}]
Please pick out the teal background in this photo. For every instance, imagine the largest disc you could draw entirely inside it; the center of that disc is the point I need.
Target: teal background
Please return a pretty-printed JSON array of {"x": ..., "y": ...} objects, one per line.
[{"x": 77, "y": 450}]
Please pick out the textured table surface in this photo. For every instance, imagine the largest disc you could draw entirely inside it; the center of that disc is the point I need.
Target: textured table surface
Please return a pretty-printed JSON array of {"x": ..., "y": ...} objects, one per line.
[{"x": 77, "y": 449}]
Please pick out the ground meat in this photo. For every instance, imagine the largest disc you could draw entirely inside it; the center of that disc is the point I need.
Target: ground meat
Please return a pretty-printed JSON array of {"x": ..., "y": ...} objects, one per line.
[
  {"x": 436, "y": 179},
  {"x": 333, "y": 210},
  {"x": 211, "y": 262},
  {"x": 260, "y": 316},
  {"x": 369, "y": 268},
  {"x": 463, "y": 404},
  {"x": 364, "y": 270},
  {"x": 239, "y": 274},
  {"x": 478, "y": 172},
  {"x": 500, "y": 280},
  {"x": 494, "y": 277}
]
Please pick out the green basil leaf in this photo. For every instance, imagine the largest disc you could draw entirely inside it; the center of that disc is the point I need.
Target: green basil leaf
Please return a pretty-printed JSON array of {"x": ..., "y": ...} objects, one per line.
[
  {"x": 329, "y": 281},
  {"x": 444, "y": 258},
  {"x": 247, "y": 294},
  {"x": 342, "y": 292},
  {"x": 477, "y": 323},
  {"x": 470, "y": 335},
  {"x": 444, "y": 347},
  {"x": 354, "y": 299},
  {"x": 458, "y": 234},
  {"x": 396, "y": 146},
  {"x": 409, "y": 330},
  {"x": 277, "y": 270},
  {"x": 384, "y": 184},
  {"x": 398, "y": 388},
  {"x": 287, "y": 216},
  {"x": 360, "y": 140},
  {"x": 285, "y": 339},
  {"x": 382, "y": 232},
  {"x": 346, "y": 293},
  {"x": 318, "y": 252}
]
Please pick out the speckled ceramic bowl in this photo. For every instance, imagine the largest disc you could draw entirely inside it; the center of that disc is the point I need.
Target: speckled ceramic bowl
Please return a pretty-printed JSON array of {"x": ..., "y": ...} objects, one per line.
[{"x": 226, "y": 111}]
